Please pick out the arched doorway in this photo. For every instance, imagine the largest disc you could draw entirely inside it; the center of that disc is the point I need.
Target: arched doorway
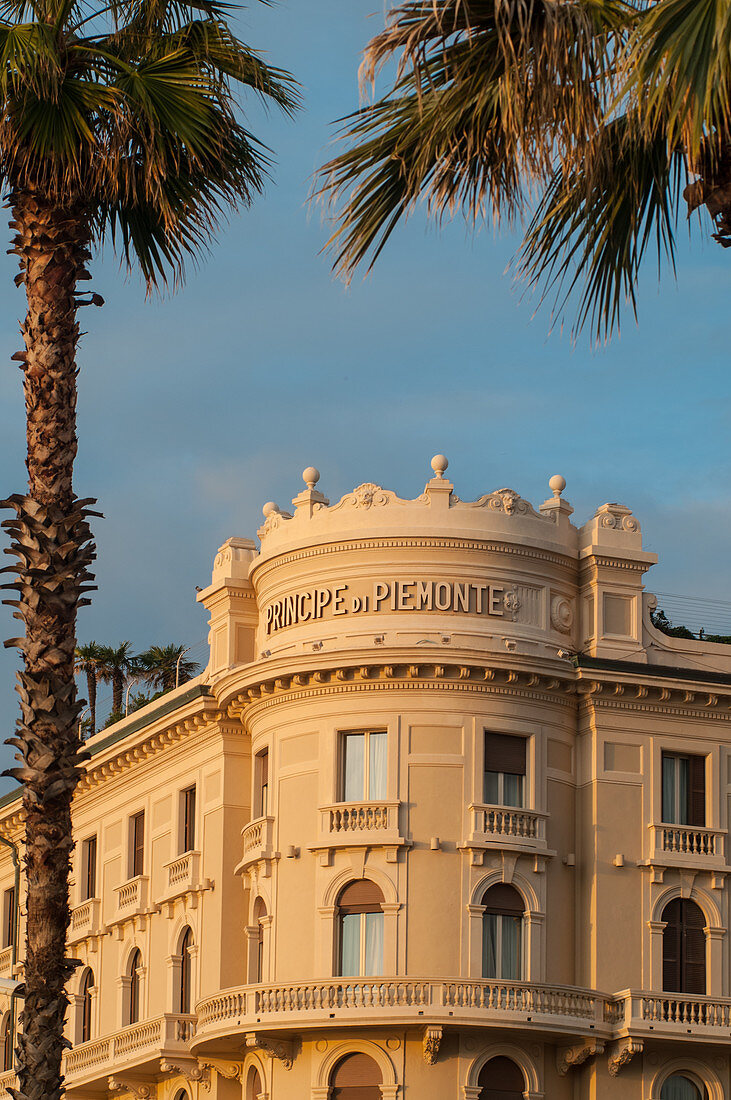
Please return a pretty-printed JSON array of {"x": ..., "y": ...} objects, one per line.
[
  {"x": 184, "y": 975},
  {"x": 501, "y": 1079},
  {"x": 133, "y": 973},
  {"x": 684, "y": 948},
  {"x": 356, "y": 1077},
  {"x": 502, "y": 933},
  {"x": 679, "y": 1087},
  {"x": 87, "y": 984},
  {"x": 260, "y": 912},
  {"x": 253, "y": 1084}
]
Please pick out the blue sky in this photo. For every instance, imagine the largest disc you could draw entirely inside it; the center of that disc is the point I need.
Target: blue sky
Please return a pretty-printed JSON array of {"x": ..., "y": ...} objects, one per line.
[{"x": 195, "y": 410}]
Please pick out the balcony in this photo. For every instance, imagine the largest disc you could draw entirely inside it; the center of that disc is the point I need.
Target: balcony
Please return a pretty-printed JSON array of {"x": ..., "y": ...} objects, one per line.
[
  {"x": 258, "y": 838},
  {"x": 183, "y": 879},
  {"x": 358, "y": 825},
  {"x": 345, "y": 1002},
  {"x": 6, "y": 962},
  {"x": 86, "y": 920},
  {"x": 506, "y": 828},
  {"x": 686, "y": 846},
  {"x": 648, "y": 1015},
  {"x": 7, "y": 1080},
  {"x": 132, "y": 903},
  {"x": 137, "y": 1048}
]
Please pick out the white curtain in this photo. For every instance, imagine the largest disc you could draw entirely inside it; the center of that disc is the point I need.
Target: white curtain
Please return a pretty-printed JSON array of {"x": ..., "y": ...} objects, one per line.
[
  {"x": 679, "y": 1088},
  {"x": 683, "y": 783},
  {"x": 511, "y": 935},
  {"x": 489, "y": 945},
  {"x": 373, "y": 944},
  {"x": 353, "y": 769},
  {"x": 668, "y": 789},
  {"x": 377, "y": 766},
  {"x": 512, "y": 790},
  {"x": 350, "y": 944}
]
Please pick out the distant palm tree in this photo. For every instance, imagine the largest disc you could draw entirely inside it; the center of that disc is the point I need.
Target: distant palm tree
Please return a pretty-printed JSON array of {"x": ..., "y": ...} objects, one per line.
[
  {"x": 120, "y": 121},
  {"x": 614, "y": 116},
  {"x": 163, "y": 666},
  {"x": 114, "y": 666},
  {"x": 87, "y": 661}
]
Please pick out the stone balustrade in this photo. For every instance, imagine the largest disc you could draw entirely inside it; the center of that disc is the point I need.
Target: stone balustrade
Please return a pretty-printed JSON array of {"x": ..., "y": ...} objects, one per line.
[
  {"x": 6, "y": 961},
  {"x": 673, "y": 1015},
  {"x": 342, "y": 1001},
  {"x": 359, "y": 817},
  {"x": 8, "y": 1080},
  {"x": 85, "y": 920},
  {"x": 132, "y": 896},
  {"x": 689, "y": 840},
  {"x": 137, "y": 1046},
  {"x": 258, "y": 842},
  {"x": 508, "y": 822}
]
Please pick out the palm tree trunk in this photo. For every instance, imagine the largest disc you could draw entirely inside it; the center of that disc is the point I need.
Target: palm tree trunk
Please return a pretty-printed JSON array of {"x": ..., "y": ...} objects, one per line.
[
  {"x": 91, "y": 693},
  {"x": 117, "y": 690},
  {"x": 52, "y": 541}
]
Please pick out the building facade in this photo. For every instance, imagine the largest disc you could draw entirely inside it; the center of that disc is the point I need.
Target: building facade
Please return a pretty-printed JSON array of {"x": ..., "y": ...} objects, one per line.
[{"x": 445, "y": 818}]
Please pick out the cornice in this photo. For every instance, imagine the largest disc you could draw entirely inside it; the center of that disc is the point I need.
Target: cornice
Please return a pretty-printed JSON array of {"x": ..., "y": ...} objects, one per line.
[
  {"x": 263, "y": 567},
  {"x": 453, "y": 677}
]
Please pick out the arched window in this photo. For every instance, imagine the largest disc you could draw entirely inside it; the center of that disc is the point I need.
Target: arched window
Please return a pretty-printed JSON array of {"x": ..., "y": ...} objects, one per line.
[
  {"x": 260, "y": 912},
  {"x": 502, "y": 933},
  {"x": 8, "y": 1043},
  {"x": 184, "y": 976},
  {"x": 501, "y": 1079},
  {"x": 678, "y": 1087},
  {"x": 87, "y": 984},
  {"x": 253, "y": 1084},
  {"x": 360, "y": 928},
  {"x": 356, "y": 1077},
  {"x": 683, "y": 948},
  {"x": 133, "y": 1008},
  {"x": 181, "y": 1094}
]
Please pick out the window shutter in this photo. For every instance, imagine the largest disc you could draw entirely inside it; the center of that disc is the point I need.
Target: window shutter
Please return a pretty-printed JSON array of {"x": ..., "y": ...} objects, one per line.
[
  {"x": 362, "y": 896},
  {"x": 693, "y": 972},
  {"x": 357, "y": 1069},
  {"x": 671, "y": 948},
  {"x": 264, "y": 768},
  {"x": 697, "y": 792},
  {"x": 504, "y": 753},
  {"x": 503, "y": 899}
]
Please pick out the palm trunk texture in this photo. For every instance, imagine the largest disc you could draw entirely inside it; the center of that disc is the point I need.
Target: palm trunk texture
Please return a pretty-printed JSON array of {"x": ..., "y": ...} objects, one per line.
[
  {"x": 91, "y": 691},
  {"x": 52, "y": 541},
  {"x": 117, "y": 690}
]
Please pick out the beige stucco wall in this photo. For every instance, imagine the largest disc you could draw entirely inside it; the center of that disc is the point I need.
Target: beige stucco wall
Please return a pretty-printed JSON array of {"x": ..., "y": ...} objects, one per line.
[{"x": 435, "y": 620}]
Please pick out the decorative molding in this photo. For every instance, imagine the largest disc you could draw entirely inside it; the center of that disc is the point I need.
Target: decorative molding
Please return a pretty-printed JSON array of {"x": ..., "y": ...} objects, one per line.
[
  {"x": 562, "y": 614},
  {"x": 192, "y": 1071},
  {"x": 119, "y": 1083},
  {"x": 280, "y": 1049},
  {"x": 431, "y": 1043},
  {"x": 230, "y": 1070},
  {"x": 577, "y": 1054},
  {"x": 623, "y": 1053}
]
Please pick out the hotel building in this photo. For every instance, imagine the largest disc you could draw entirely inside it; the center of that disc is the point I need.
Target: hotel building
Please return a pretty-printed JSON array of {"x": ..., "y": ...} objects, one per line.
[{"x": 445, "y": 818}]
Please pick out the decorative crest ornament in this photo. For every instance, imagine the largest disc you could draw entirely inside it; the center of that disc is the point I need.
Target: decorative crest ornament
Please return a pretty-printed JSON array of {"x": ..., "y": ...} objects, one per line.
[{"x": 431, "y": 1043}]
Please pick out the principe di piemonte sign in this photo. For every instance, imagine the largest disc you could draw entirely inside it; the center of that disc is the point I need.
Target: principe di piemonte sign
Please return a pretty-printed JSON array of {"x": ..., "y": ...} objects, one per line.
[{"x": 467, "y": 597}]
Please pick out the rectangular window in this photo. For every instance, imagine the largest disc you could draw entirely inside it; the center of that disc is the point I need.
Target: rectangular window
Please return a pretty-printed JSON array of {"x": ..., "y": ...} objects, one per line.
[
  {"x": 187, "y": 820},
  {"x": 88, "y": 868},
  {"x": 261, "y": 784},
  {"x": 505, "y": 769},
  {"x": 137, "y": 844},
  {"x": 501, "y": 936},
  {"x": 9, "y": 917},
  {"x": 364, "y": 766},
  {"x": 683, "y": 789},
  {"x": 362, "y": 944}
]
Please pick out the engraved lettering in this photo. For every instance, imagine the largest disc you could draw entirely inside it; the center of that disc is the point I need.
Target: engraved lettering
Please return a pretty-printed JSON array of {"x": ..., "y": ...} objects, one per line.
[
  {"x": 380, "y": 592},
  {"x": 405, "y": 595},
  {"x": 496, "y": 596},
  {"x": 424, "y": 593},
  {"x": 461, "y": 597},
  {"x": 339, "y": 607}
]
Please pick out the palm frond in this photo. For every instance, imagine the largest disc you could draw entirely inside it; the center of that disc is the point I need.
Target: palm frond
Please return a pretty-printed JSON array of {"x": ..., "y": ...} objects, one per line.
[{"x": 596, "y": 222}]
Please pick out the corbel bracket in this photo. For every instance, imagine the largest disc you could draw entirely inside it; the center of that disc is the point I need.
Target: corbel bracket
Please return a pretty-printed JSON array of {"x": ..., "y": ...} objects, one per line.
[
  {"x": 275, "y": 1048},
  {"x": 431, "y": 1043},
  {"x": 224, "y": 1068},
  {"x": 623, "y": 1053},
  {"x": 118, "y": 1083},
  {"x": 576, "y": 1055},
  {"x": 191, "y": 1070}
]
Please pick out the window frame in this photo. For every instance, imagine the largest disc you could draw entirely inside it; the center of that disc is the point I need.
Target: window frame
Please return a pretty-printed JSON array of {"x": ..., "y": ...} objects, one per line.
[
  {"x": 188, "y": 808},
  {"x": 366, "y": 733},
  {"x": 86, "y": 1023},
  {"x": 135, "y": 847},
  {"x": 696, "y": 793},
  {"x": 10, "y": 915},
  {"x": 134, "y": 999},
  {"x": 362, "y": 911},
  {"x": 262, "y": 794},
  {"x": 89, "y": 867},
  {"x": 501, "y": 801}
]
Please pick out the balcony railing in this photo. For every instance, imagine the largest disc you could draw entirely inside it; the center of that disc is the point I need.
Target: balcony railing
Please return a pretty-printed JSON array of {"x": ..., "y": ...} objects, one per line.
[
  {"x": 85, "y": 920},
  {"x": 342, "y": 1001},
  {"x": 7, "y": 1080},
  {"x": 508, "y": 822},
  {"x": 673, "y": 1015},
  {"x": 258, "y": 841},
  {"x": 689, "y": 840},
  {"x": 360, "y": 817},
  {"x": 135, "y": 1046},
  {"x": 6, "y": 960}
]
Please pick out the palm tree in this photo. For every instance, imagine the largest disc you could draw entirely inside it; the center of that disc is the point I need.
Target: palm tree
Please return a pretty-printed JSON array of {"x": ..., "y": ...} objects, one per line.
[
  {"x": 594, "y": 123},
  {"x": 119, "y": 122},
  {"x": 87, "y": 661},
  {"x": 113, "y": 667},
  {"x": 163, "y": 666}
]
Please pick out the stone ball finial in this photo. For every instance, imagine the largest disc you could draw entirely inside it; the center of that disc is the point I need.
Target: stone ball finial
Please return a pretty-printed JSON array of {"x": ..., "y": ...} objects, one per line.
[
  {"x": 439, "y": 464},
  {"x": 311, "y": 476},
  {"x": 270, "y": 508},
  {"x": 557, "y": 484}
]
